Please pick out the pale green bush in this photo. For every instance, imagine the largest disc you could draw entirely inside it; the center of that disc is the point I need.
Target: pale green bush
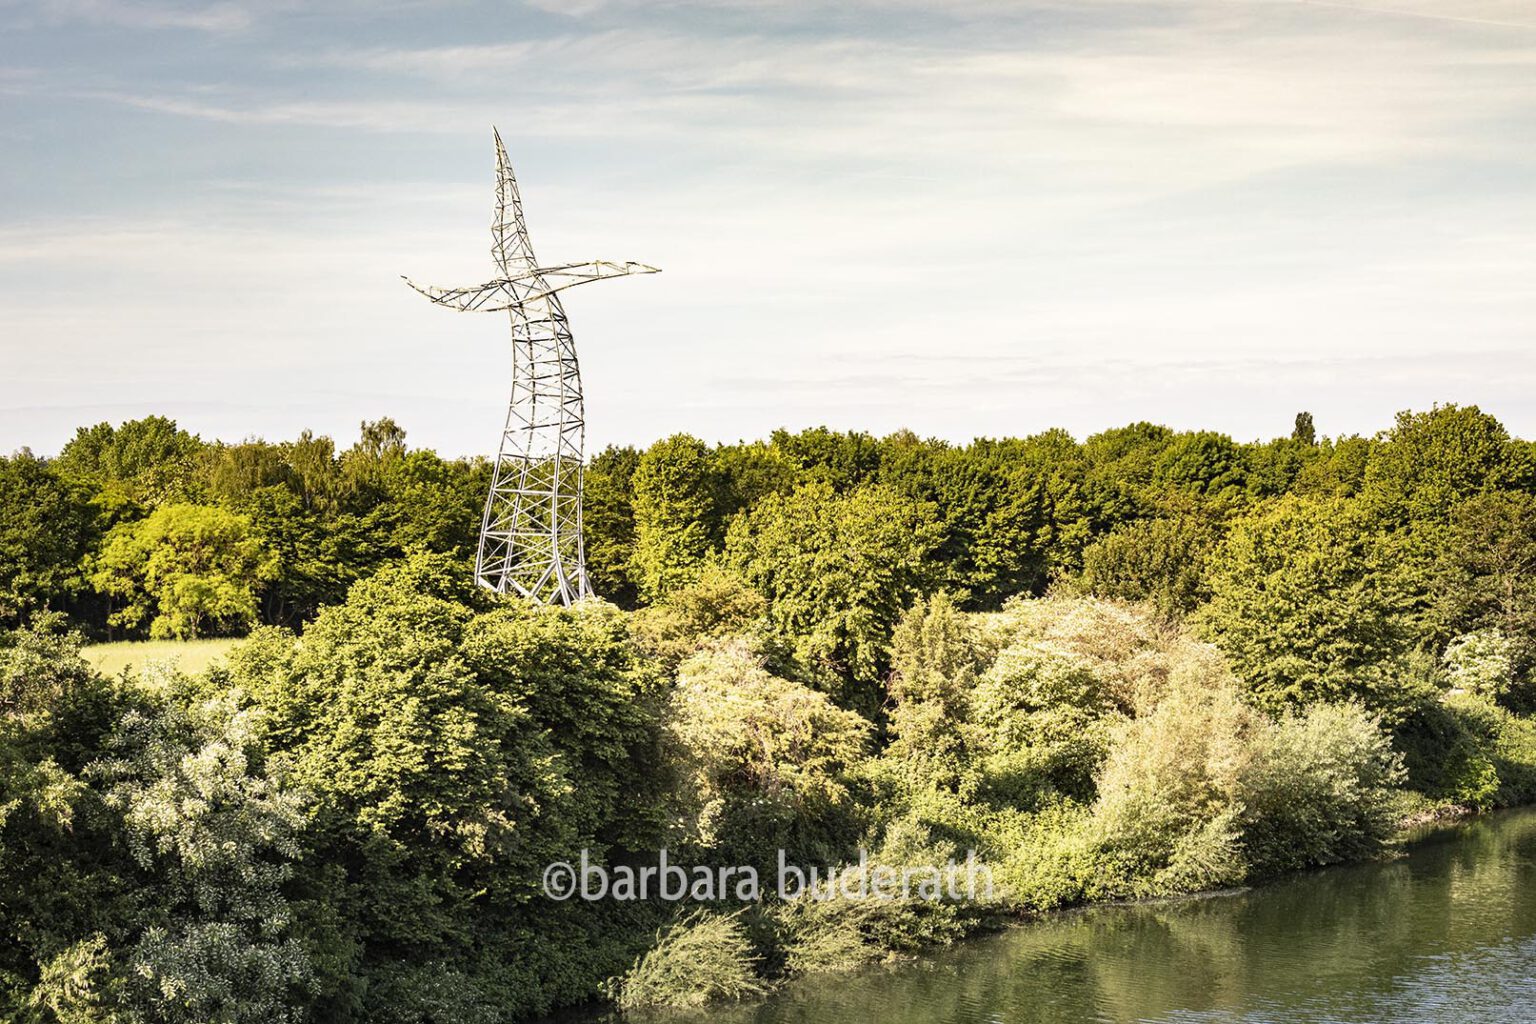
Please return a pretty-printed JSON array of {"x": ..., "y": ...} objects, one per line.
[
  {"x": 1320, "y": 790},
  {"x": 1206, "y": 791},
  {"x": 756, "y": 758},
  {"x": 1481, "y": 663},
  {"x": 702, "y": 958},
  {"x": 1164, "y": 820}
]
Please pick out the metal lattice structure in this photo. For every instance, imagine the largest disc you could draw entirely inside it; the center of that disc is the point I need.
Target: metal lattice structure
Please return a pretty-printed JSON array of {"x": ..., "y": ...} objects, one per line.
[{"x": 530, "y": 534}]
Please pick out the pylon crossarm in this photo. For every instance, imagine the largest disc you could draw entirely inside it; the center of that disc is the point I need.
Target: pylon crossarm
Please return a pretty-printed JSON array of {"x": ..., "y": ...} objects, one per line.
[
  {"x": 491, "y": 297},
  {"x": 514, "y": 292},
  {"x": 569, "y": 275}
]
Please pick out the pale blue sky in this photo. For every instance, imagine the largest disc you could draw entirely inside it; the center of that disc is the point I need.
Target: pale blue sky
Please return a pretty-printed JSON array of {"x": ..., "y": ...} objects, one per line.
[{"x": 970, "y": 218}]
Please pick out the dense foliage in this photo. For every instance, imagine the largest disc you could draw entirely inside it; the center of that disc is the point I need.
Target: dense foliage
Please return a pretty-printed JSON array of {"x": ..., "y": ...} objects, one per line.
[{"x": 1151, "y": 662}]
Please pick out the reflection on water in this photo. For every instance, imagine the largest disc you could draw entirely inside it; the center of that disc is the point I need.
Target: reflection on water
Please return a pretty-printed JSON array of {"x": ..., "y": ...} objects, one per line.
[{"x": 1446, "y": 934}]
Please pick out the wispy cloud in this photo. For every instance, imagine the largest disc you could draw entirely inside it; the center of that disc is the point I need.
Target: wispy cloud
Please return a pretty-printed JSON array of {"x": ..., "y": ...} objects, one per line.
[
  {"x": 218, "y": 18},
  {"x": 1433, "y": 12},
  {"x": 1004, "y": 207}
]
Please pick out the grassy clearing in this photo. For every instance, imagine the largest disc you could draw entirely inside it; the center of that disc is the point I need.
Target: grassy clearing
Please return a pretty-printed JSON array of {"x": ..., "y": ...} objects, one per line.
[{"x": 191, "y": 656}]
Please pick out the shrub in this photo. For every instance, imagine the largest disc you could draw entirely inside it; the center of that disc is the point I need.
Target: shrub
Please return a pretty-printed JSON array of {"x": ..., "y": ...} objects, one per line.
[
  {"x": 842, "y": 933},
  {"x": 759, "y": 761},
  {"x": 1481, "y": 663},
  {"x": 1445, "y": 745},
  {"x": 1206, "y": 791},
  {"x": 1165, "y": 817},
  {"x": 702, "y": 958},
  {"x": 1514, "y": 758},
  {"x": 1321, "y": 790},
  {"x": 1038, "y": 721}
]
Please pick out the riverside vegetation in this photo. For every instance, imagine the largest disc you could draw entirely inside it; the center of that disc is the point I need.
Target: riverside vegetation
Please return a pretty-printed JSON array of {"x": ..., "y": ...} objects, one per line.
[{"x": 1148, "y": 663}]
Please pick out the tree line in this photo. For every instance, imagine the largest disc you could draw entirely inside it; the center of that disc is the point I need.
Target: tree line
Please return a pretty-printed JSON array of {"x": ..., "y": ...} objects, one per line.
[{"x": 1145, "y": 663}]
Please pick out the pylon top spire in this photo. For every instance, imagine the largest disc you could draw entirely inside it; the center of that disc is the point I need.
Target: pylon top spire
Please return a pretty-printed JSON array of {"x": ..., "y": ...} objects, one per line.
[{"x": 510, "y": 249}]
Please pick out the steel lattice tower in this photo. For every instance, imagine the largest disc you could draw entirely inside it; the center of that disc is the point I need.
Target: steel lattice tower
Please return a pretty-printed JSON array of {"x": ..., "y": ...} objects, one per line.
[{"x": 530, "y": 534}]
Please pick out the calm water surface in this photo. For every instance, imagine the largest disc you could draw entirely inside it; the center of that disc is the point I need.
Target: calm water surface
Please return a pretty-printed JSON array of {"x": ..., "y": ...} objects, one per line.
[{"x": 1445, "y": 934}]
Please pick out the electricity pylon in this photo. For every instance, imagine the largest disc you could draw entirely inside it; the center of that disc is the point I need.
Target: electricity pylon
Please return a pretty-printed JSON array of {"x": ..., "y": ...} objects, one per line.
[{"x": 530, "y": 534}]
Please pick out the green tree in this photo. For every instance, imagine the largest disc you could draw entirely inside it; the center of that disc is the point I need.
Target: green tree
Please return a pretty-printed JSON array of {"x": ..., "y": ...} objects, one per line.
[
  {"x": 1336, "y": 468},
  {"x": 233, "y": 472},
  {"x": 1484, "y": 573},
  {"x": 760, "y": 762},
  {"x": 717, "y": 604},
  {"x": 1305, "y": 604},
  {"x": 314, "y": 559},
  {"x": 184, "y": 572},
  {"x": 454, "y": 747},
  {"x": 1206, "y": 464},
  {"x": 676, "y": 502},
  {"x": 843, "y": 460},
  {"x": 1163, "y": 561},
  {"x": 150, "y": 461},
  {"x": 46, "y": 526},
  {"x": 608, "y": 523},
  {"x": 215, "y": 838},
  {"x": 838, "y": 570},
  {"x": 1431, "y": 460},
  {"x": 934, "y": 660},
  {"x": 1305, "y": 430},
  {"x": 1121, "y": 464}
]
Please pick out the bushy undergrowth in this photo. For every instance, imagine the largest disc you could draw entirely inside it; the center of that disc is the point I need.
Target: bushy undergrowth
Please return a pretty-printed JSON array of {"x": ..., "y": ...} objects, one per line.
[
  {"x": 350, "y": 824},
  {"x": 704, "y": 957}
]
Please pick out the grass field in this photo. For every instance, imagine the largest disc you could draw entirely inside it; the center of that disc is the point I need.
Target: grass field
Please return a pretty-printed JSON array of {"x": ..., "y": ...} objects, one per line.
[{"x": 191, "y": 656}]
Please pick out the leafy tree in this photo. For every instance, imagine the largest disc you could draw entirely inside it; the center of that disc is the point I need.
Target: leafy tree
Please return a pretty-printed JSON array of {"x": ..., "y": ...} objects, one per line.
[
  {"x": 364, "y": 466},
  {"x": 608, "y": 523},
  {"x": 435, "y": 505},
  {"x": 994, "y": 510},
  {"x": 1484, "y": 572},
  {"x": 184, "y": 571},
  {"x": 1305, "y": 430},
  {"x": 315, "y": 560},
  {"x": 837, "y": 570},
  {"x": 1482, "y": 663},
  {"x": 717, "y": 604},
  {"x": 1121, "y": 465},
  {"x": 842, "y": 460},
  {"x": 1274, "y": 467},
  {"x": 1431, "y": 460},
  {"x": 676, "y": 524},
  {"x": 149, "y": 460},
  {"x": 46, "y": 526},
  {"x": 934, "y": 660},
  {"x": 316, "y": 474},
  {"x": 1336, "y": 468},
  {"x": 750, "y": 471},
  {"x": 1048, "y": 513},
  {"x": 1204, "y": 792},
  {"x": 1304, "y": 603},
  {"x": 217, "y": 838},
  {"x": 1038, "y": 719},
  {"x": 234, "y": 472},
  {"x": 1206, "y": 464},
  {"x": 1163, "y": 561},
  {"x": 144, "y": 850},
  {"x": 453, "y": 749}
]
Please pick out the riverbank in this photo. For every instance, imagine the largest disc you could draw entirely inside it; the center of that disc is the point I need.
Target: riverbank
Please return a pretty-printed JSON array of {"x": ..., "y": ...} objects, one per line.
[{"x": 1446, "y": 932}]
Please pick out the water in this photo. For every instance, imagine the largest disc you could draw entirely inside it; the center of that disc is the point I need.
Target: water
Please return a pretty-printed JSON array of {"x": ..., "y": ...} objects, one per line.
[{"x": 1446, "y": 934}]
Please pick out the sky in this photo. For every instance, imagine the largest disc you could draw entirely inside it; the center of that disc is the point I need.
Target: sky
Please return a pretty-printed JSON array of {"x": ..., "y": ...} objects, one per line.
[{"x": 969, "y": 218}]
